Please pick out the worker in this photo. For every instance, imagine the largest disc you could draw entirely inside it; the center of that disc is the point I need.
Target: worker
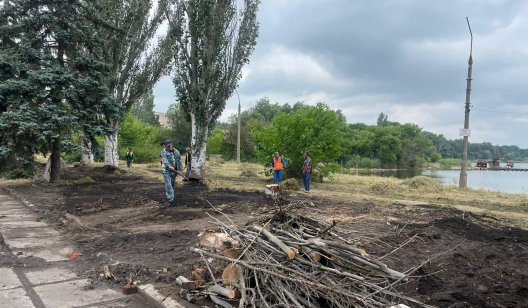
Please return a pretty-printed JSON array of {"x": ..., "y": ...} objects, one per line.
[
  {"x": 307, "y": 171},
  {"x": 172, "y": 167},
  {"x": 129, "y": 157},
  {"x": 278, "y": 163}
]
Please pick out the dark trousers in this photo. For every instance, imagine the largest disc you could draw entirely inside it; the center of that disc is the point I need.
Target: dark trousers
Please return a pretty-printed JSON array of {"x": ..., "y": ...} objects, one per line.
[
  {"x": 306, "y": 180},
  {"x": 277, "y": 176}
]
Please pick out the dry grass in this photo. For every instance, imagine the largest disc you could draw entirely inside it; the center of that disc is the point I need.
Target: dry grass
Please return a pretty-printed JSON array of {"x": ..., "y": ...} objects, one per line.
[{"x": 509, "y": 208}]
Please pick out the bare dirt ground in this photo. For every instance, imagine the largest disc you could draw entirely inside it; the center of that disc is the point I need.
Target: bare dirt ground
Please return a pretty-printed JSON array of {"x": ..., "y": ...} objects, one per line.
[{"x": 119, "y": 221}]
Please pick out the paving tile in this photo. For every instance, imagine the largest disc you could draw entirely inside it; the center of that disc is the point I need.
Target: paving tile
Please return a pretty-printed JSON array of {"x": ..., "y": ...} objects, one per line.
[
  {"x": 31, "y": 232},
  {"x": 17, "y": 210},
  {"x": 49, "y": 253},
  {"x": 21, "y": 224},
  {"x": 50, "y": 275},
  {"x": 8, "y": 279},
  {"x": 17, "y": 217},
  {"x": 15, "y": 298},
  {"x": 74, "y": 293},
  {"x": 28, "y": 242}
]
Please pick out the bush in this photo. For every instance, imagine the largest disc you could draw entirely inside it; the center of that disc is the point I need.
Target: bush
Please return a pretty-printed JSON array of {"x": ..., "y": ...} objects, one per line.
[
  {"x": 357, "y": 161},
  {"x": 322, "y": 171}
]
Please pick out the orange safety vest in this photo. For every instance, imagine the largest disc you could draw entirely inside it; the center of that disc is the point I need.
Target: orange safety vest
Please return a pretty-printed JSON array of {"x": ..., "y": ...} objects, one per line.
[{"x": 277, "y": 163}]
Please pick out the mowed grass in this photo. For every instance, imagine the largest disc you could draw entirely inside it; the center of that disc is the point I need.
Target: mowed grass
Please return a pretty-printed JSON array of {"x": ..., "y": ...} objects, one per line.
[{"x": 385, "y": 191}]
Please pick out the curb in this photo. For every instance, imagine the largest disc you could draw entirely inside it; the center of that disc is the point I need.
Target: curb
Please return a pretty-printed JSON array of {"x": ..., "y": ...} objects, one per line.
[
  {"x": 15, "y": 195},
  {"x": 150, "y": 292}
]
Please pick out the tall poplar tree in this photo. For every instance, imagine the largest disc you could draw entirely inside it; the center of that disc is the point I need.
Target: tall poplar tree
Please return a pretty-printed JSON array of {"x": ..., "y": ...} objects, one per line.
[
  {"x": 128, "y": 29},
  {"x": 214, "y": 41}
]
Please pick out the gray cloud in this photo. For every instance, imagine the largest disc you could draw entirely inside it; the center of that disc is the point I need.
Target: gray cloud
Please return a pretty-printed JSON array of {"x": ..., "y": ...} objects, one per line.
[{"x": 407, "y": 59}]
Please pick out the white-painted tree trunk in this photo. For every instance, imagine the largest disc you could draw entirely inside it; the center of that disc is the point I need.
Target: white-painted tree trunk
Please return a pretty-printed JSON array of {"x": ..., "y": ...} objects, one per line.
[
  {"x": 111, "y": 149},
  {"x": 87, "y": 156},
  {"x": 199, "y": 147},
  {"x": 47, "y": 171}
]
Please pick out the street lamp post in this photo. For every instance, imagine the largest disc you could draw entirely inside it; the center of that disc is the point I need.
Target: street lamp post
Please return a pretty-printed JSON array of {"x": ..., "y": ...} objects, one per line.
[{"x": 463, "y": 174}]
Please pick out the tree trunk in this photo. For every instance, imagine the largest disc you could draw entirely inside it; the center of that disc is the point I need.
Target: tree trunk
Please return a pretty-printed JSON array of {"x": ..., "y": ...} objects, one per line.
[
  {"x": 199, "y": 147},
  {"x": 55, "y": 166},
  {"x": 111, "y": 150},
  {"x": 87, "y": 156}
]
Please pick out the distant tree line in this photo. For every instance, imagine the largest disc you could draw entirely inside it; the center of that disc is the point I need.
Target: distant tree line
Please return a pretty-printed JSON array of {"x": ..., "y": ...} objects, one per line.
[
  {"x": 293, "y": 129},
  {"x": 485, "y": 150}
]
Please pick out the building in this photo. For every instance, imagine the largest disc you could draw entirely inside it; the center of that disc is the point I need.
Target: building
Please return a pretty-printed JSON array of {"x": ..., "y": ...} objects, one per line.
[{"x": 162, "y": 119}]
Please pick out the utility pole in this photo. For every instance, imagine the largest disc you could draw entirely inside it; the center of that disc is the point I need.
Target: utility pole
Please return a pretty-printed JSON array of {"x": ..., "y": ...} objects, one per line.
[
  {"x": 238, "y": 133},
  {"x": 463, "y": 174}
]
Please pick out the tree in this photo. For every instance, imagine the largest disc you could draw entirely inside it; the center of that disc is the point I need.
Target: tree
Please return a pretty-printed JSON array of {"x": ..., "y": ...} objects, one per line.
[
  {"x": 143, "y": 108},
  {"x": 51, "y": 79},
  {"x": 128, "y": 28},
  {"x": 213, "y": 43},
  {"x": 316, "y": 129},
  {"x": 180, "y": 131},
  {"x": 142, "y": 137}
]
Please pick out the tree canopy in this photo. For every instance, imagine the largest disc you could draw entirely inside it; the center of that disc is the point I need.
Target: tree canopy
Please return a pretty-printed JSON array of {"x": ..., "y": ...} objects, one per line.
[
  {"x": 51, "y": 73},
  {"x": 214, "y": 41}
]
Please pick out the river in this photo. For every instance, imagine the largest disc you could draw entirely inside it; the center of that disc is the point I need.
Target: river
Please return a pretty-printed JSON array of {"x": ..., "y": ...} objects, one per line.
[{"x": 502, "y": 181}]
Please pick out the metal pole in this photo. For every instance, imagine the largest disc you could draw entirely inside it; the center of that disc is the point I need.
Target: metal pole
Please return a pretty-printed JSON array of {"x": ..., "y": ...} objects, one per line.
[
  {"x": 238, "y": 133},
  {"x": 463, "y": 174}
]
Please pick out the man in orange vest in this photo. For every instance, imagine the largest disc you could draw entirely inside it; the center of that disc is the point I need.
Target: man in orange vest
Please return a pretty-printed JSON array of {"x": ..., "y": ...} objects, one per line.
[{"x": 278, "y": 163}]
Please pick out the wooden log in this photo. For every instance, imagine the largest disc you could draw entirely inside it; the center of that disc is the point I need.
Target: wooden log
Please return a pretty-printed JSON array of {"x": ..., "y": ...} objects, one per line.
[
  {"x": 350, "y": 248},
  {"x": 220, "y": 302},
  {"x": 289, "y": 251},
  {"x": 317, "y": 242},
  {"x": 225, "y": 292},
  {"x": 180, "y": 280},
  {"x": 314, "y": 255},
  {"x": 230, "y": 274}
]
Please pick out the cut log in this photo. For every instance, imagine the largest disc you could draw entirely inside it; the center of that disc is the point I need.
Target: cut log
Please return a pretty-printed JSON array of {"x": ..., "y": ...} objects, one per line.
[
  {"x": 230, "y": 274},
  {"x": 314, "y": 255},
  {"x": 220, "y": 302},
  {"x": 289, "y": 251},
  {"x": 225, "y": 292},
  {"x": 180, "y": 280}
]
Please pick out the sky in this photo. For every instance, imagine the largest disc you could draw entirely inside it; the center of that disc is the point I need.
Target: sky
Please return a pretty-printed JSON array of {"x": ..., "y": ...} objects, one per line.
[{"x": 405, "y": 58}]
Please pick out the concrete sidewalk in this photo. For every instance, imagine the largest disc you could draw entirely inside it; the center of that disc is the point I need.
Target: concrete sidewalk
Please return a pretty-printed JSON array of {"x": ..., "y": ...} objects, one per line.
[{"x": 35, "y": 271}]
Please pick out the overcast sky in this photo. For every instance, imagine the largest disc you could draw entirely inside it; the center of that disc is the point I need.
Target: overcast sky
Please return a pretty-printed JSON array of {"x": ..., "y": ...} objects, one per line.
[{"x": 405, "y": 58}]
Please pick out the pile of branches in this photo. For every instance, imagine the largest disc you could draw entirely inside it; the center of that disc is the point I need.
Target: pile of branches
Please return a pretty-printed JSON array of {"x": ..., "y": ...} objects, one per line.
[{"x": 284, "y": 259}]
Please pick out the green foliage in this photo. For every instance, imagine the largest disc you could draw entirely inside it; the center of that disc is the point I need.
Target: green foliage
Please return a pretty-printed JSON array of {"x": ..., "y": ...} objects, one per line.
[
  {"x": 485, "y": 150},
  {"x": 143, "y": 138},
  {"x": 215, "y": 142},
  {"x": 393, "y": 144},
  {"x": 322, "y": 171},
  {"x": 180, "y": 131},
  {"x": 252, "y": 121},
  {"x": 448, "y": 163},
  {"x": 143, "y": 109},
  {"x": 128, "y": 29},
  {"x": 214, "y": 41},
  {"x": 316, "y": 129},
  {"x": 356, "y": 161},
  {"x": 51, "y": 79}
]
